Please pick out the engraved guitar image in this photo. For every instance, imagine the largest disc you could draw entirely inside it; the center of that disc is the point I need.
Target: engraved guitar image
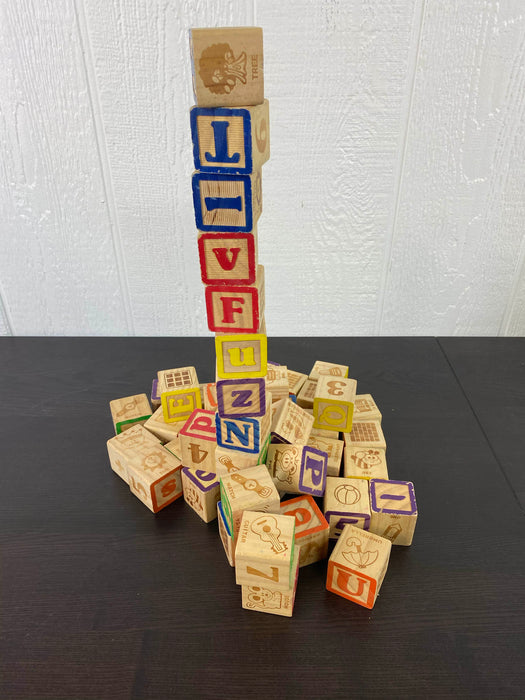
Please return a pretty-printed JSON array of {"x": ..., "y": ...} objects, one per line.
[
  {"x": 252, "y": 485},
  {"x": 227, "y": 461},
  {"x": 266, "y": 528}
]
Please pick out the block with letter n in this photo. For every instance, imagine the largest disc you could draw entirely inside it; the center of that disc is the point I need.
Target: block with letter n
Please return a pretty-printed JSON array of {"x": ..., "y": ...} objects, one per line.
[
  {"x": 246, "y": 434},
  {"x": 227, "y": 203},
  {"x": 230, "y": 141},
  {"x": 241, "y": 355},
  {"x": 334, "y": 403},
  {"x": 228, "y": 258},
  {"x": 235, "y": 308}
]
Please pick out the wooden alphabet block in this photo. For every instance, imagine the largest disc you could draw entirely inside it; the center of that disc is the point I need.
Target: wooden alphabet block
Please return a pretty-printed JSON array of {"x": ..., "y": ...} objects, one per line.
[
  {"x": 297, "y": 468},
  {"x": 328, "y": 369},
  {"x": 228, "y": 258},
  {"x": 155, "y": 396},
  {"x": 178, "y": 378},
  {"x": 227, "y": 66},
  {"x": 227, "y": 203},
  {"x": 251, "y": 489},
  {"x": 358, "y": 565},
  {"x": 366, "y": 434},
  {"x": 311, "y": 528},
  {"x": 266, "y": 598},
  {"x": 333, "y": 448},
  {"x": 173, "y": 446},
  {"x": 264, "y": 550},
  {"x": 334, "y": 403},
  {"x": 290, "y": 423},
  {"x": 346, "y": 502},
  {"x": 246, "y": 434},
  {"x": 129, "y": 411},
  {"x": 365, "y": 409},
  {"x": 394, "y": 510},
  {"x": 295, "y": 381},
  {"x": 235, "y": 309},
  {"x": 178, "y": 405},
  {"x": 210, "y": 396},
  {"x": 166, "y": 432},
  {"x": 225, "y": 535},
  {"x": 365, "y": 463},
  {"x": 230, "y": 461},
  {"x": 306, "y": 395},
  {"x": 198, "y": 441},
  {"x": 277, "y": 381},
  {"x": 242, "y": 356},
  {"x": 201, "y": 492},
  {"x": 121, "y": 446},
  {"x": 233, "y": 141},
  {"x": 154, "y": 476},
  {"x": 237, "y": 398}
]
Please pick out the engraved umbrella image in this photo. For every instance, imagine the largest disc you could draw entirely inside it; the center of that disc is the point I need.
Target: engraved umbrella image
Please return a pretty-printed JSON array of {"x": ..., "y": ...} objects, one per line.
[{"x": 356, "y": 556}]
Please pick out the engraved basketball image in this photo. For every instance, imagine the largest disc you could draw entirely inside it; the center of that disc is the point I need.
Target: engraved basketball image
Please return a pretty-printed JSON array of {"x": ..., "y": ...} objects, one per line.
[{"x": 347, "y": 494}]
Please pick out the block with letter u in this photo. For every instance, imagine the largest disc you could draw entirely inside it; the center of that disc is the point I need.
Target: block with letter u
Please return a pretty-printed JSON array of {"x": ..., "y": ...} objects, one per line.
[
  {"x": 241, "y": 355},
  {"x": 227, "y": 203}
]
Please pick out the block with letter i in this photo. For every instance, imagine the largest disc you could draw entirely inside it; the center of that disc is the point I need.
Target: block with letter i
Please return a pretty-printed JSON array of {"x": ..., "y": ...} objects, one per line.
[
  {"x": 264, "y": 597},
  {"x": 241, "y": 355},
  {"x": 129, "y": 411},
  {"x": 394, "y": 510},
  {"x": 201, "y": 492},
  {"x": 311, "y": 528},
  {"x": 264, "y": 550},
  {"x": 334, "y": 403},
  {"x": 231, "y": 141},
  {"x": 346, "y": 502},
  {"x": 198, "y": 442},
  {"x": 358, "y": 565},
  {"x": 227, "y": 203},
  {"x": 236, "y": 308}
]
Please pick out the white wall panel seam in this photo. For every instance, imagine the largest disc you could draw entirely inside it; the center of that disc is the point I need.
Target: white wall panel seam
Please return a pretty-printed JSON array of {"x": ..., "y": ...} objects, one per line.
[
  {"x": 5, "y": 314},
  {"x": 105, "y": 168},
  {"x": 417, "y": 31},
  {"x": 518, "y": 282}
]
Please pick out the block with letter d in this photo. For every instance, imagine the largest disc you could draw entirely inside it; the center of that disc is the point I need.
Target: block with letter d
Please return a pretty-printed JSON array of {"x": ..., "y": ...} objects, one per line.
[
  {"x": 197, "y": 441},
  {"x": 334, "y": 403},
  {"x": 241, "y": 355},
  {"x": 228, "y": 258},
  {"x": 240, "y": 398},
  {"x": 231, "y": 141},
  {"x": 227, "y": 203},
  {"x": 236, "y": 309}
]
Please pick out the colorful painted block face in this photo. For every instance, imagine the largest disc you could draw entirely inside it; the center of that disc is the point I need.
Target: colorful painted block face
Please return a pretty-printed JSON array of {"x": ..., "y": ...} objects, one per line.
[
  {"x": 227, "y": 203},
  {"x": 357, "y": 566},
  {"x": 394, "y": 510},
  {"x": 298, "y": 468},
  {"x": 178, "y": 405},
  {"x": 237, "y": 398},
  {"x": 129, "y": 411},
  {"x": 227, "y": 258},
  {"x": 233, "y": 309},
  {"x": 334, "y": 403},
  {"x": 230, "y": 141},
  {"x": 243, "y": 435},
  {"x": 242, "y": 356},
  {"x": 311, "y": 528}
]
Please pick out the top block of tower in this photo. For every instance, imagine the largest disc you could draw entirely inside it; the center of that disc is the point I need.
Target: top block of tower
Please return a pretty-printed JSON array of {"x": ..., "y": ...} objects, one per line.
[{"x": 227, "y": 66}]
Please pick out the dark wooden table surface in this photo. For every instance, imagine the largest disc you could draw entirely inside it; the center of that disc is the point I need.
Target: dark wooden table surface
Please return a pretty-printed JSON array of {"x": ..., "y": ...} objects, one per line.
[{"x": 102, "y": 599}]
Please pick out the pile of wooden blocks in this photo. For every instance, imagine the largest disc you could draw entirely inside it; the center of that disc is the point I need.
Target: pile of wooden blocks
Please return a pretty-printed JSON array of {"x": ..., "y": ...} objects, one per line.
[{"x": 234, "y": 447}]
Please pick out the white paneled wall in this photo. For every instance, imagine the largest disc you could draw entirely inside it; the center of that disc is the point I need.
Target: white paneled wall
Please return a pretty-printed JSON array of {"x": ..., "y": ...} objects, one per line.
[{"x": 394, "y": 199}]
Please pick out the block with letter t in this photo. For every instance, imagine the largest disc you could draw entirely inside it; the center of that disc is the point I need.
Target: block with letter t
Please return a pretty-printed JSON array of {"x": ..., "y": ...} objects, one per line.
[
  {"x": 358, "y": 565},
  {"x": 227, "y": 203},
  {"x": 233, "y": 141},
  {"x": 241, "y": 355}
]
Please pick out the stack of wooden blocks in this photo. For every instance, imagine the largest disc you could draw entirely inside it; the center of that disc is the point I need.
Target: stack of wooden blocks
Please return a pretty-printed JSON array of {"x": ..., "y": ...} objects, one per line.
[{"x": 234, "y": 447}]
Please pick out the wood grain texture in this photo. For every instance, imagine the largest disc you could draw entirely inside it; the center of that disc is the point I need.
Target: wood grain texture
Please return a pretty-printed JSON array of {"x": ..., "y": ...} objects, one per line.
[
  {"x": 59, "y": 270},
  {"x": 459, "y": 220},
  {"x": 141, "y": 65},
  {"x": 336, "y": 76}
]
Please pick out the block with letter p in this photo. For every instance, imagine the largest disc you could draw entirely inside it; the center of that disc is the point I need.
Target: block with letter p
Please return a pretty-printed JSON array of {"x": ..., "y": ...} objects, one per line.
[
  {"x": 297, "y": 468},
  {"x": 228, "y": 258},
  {"x": 227, "y": 203},
  {"x": 232, "y": 141},
  {"x": 241, "y": 355},
  {"x": 178, "y": 405},
  {"x": 334, "y": 403}
]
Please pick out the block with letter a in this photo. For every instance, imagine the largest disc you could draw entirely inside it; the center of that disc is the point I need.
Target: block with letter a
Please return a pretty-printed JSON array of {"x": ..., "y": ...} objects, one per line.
[
  {"x": 228, "y": 258},
  {"x": 231, "y": 141},
  {"x": 236, "y": 309},
  {"x": 358, "y": 565},
  {"x": 241, "y": 355},
  {"x": 227, "y": 203},
  {"x": 197, "y": 441}
]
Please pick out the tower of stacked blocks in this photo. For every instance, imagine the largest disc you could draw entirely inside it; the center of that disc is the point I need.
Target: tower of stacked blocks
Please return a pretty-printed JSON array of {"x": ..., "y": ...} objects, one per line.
[{"x": 237, "y": 448}]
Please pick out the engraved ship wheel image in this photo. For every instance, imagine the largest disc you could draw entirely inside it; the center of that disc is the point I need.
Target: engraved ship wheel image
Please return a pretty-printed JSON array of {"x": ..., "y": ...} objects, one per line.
[{"x": 266, "y": 528}]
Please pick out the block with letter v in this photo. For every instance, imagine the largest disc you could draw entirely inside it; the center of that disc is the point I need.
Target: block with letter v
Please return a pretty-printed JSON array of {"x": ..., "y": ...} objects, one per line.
[{"x": 228, "y": 258}]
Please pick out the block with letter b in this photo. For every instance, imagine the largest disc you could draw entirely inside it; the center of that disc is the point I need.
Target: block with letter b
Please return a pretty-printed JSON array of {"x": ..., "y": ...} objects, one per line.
[
  {"x": 228, "y": 258},
  {"x": 358, "y": 565},
  {"x": 241, "y": 355},
  {"x": 334, "y": 403},
  {"x": 265, "y": 550},
  {"x": 235, "y": 308},
  {"x": 227, "y": 66},
  {"x": 237, "y": 398},
  {"x": 231, "y": 141},
  {"x": 227, "y": 203},
  {"x": 201, "y": 492},
  {"x": 178, "y": 405},
  {"x": 394, "y": 510},
  {"x": 198, "y": 442}
]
